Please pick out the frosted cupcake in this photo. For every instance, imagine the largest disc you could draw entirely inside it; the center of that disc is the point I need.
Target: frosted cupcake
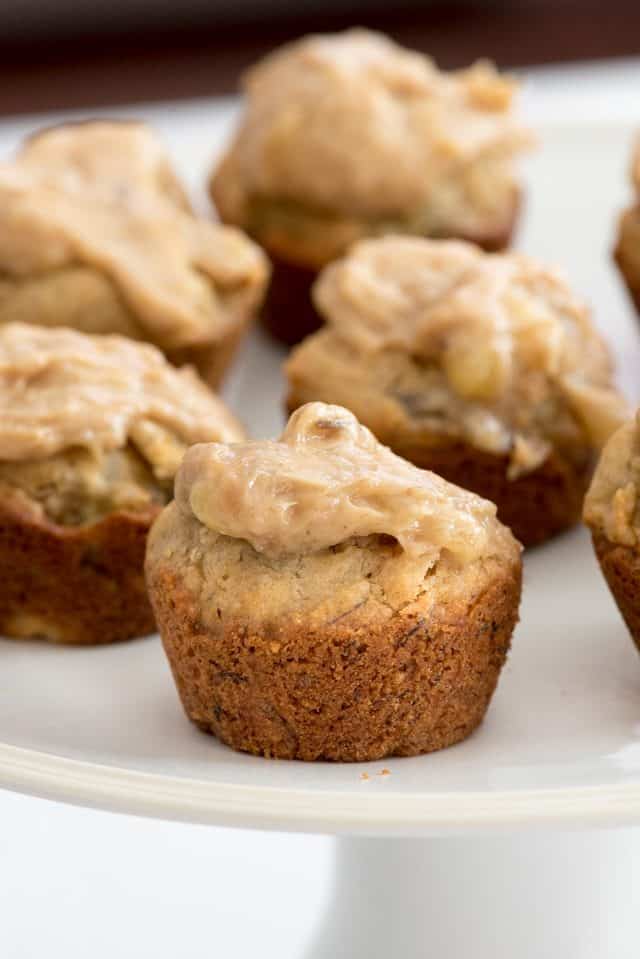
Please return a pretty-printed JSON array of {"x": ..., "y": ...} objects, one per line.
[
  {"x": 482, "y": 367},
  {"x": 348, "y": 136},
  {"x": 320, "y": 598},
  {"x": 92, "y": 429},
  {"x": 97, "y": 234}
]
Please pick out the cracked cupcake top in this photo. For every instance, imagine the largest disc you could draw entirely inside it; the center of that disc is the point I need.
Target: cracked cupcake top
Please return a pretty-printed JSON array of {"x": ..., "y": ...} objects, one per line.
[
  {"x": 61, "y": 390},
  {"x": 104, "y": 195},
  {"x": 497, "y": 342},
  {"x": 611, "y": 505},
  {"x": 354, "y": 124},
  {"x": 325, "y": 481}
]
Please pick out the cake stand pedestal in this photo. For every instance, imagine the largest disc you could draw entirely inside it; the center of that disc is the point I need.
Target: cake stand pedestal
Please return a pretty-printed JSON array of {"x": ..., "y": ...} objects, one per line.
[{"x": 555, "y": 895}]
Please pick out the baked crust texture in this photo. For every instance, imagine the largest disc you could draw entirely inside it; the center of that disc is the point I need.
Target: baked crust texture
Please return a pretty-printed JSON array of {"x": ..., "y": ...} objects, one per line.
[
  {"x": 81, "y": 585},
  {"x": 620, "y": 566},
  {"x": 349, "y": 655}
]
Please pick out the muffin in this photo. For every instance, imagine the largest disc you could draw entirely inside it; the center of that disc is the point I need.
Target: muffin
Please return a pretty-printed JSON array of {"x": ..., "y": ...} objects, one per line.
[
  {"x": 612, "y": 511},
  {"x": 97, "y": 234},
  {"x": 320, "y": 598},
  {"x": 92, "y": 429},
  {"x": 348, "y": 136},
  {"x": 481, "y": 367},
  {"x": 627, "y": 250}
]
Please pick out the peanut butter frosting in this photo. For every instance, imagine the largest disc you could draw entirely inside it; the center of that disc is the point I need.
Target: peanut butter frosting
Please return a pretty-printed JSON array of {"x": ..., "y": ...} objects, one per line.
[
  {"x": 61, "y": 390},
  {"x": 497, "y": 342},
  {"x": 325, "y": 481},
  {"x": 104, "y": 195},
  {"x": 354, "y": 124},
  {"x": 611, "y": 505}
]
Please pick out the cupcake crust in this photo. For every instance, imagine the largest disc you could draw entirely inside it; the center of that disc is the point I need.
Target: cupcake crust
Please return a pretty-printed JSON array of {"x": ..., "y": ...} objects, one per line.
[
  {"x": 81, "y": 585},
  {"x": 370, "y": 682},
  {"x": 620, "y": 566},
  {"x": 612, "y": 513}
]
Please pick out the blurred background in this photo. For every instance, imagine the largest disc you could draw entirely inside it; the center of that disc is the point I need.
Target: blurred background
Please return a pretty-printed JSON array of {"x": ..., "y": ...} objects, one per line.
[{"x": 58, "y": 54}]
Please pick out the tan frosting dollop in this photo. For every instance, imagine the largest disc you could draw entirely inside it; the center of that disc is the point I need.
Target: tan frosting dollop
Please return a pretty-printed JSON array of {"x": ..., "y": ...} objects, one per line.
[
  {"x": 354, "y": 123},
  {"x": 327, "y": 479},
  {"x": 103, "y": 194},
  {"x": 60, "y": 389},
  {"x": 504, "y": 330},
  {"x": 611, "y": 503}
]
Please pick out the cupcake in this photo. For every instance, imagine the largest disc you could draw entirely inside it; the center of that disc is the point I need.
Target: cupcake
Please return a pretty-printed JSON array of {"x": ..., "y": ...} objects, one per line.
[
  {"x": 92, "y": 429},
  {"x": 320, "y": 598},
  {"x": 481, "y": 367},
  {"x": 348, "y": 136},
  {"x": 627, "y": 251},
  {"x": 97, "y": 234},
  {"x": 612, "y": 511}
]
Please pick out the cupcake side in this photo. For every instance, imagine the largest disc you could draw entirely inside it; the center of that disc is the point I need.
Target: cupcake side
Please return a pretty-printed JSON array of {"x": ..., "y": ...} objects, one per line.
[
  {"x": 612, "y": 512},
  {"x": 99, "y": 236},
  {"x": 483, "y": 368},
  {"x": 319, "y": 598},
  {"x": 627, "y": 249},
  {"x": 348, "y": 136},
  {"x": 91, "y": 433}
]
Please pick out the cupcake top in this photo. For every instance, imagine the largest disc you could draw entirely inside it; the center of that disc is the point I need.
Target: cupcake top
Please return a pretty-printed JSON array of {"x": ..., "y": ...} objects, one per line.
[
  {"x": 325, "y": 481},
  {"x": 354, "y": 123},
  {"x": 611, "y": 505},
  {"x": 502, "y": 335},
  {"x": 62, "y": 390},
  {"x": 104, "y": 195}
]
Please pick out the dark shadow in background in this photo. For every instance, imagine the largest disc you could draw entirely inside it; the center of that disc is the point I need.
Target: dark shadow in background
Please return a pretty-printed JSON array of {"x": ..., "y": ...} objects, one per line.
[{"x": 63, "y": 54}]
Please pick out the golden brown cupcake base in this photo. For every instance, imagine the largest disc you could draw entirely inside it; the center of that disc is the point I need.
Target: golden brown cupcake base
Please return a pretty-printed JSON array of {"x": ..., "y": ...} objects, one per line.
[
  {"x": 81, "y": 585},
  {"x": 350, "y": 690},
  {"x": 620, "y": 566},
  {"x": 536, "y": 506},
  {"x": 288, "y": 312}
]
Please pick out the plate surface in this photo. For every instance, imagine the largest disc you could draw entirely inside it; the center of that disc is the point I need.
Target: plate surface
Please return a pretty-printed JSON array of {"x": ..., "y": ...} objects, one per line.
[{"x": 561, "y": 742}]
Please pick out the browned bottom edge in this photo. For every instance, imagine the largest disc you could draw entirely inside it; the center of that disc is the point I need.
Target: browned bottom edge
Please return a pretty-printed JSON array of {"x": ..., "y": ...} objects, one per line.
[
  {"x": 350, "y": 690},
  {"x": 81, "y": 585},
  {"x": 620, "y": 566}
]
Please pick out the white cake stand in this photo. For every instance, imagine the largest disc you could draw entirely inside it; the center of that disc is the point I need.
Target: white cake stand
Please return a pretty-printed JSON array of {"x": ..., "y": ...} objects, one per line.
[{"x": 471, "y": 852}]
